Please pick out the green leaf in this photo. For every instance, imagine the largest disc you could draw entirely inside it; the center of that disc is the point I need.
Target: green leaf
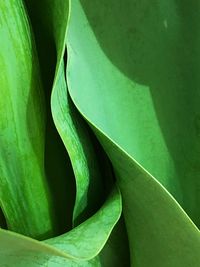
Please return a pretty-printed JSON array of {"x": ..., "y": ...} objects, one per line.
[
  {"x": 83, "y": 158},
  {"x": 76, "y": 247},
  {"x": 72, "y": 128},
  {"x": 80, "y": 246},
  {"x": 76, "y": 140},
  {"x": 134, "y": 89},
  {"x": 89, "y": 188},
  {"x": 24, "y": 196},
  {"x": 93, "y": 231},
  {"x": 116, "y": 249},
  {"x": 49, "y": 19}
]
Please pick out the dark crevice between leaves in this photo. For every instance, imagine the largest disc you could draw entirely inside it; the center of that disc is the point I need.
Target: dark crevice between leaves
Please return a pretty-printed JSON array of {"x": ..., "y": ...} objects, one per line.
[
  {"x": 3, "y": 223},
  {"x": 57, "y": 163},
  {"x": 116, "y": 250}
]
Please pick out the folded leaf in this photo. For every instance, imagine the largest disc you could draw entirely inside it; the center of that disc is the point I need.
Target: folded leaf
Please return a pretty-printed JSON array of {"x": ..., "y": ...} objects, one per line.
[
  {"x": 80, "y": 246},
  {"x": 76, "y": 139},
  {"x": 76, "y": 247},
  {"x": 89, "y": 185},
  {"x": 125, "y": 52}
]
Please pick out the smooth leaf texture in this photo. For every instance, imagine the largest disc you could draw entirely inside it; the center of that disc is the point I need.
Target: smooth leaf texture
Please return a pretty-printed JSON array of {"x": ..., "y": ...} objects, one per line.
[
  {"x": 49, "y": 20},
  {"x": 116, "y": 249},
  {"x": 76, "y": 139},
  {"x": 94, "y": 231},
  {"x": 89, "y": 185},
  {"x": 124, "y": 69},
  {"x": 80, "y": 246},
  {"x": 24, "y": 196},
  {"x": 82, "y": 243},
  {"x": 132, "y": 74}
]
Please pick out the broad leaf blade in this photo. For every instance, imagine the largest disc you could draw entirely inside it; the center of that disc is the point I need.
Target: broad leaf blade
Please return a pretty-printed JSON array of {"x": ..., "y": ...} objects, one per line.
[{"x": 123, "y": 115}]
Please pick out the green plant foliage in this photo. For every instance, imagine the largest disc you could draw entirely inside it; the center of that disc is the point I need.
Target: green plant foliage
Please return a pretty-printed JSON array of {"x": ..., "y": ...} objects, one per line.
[
  {"x": 125, "y": 68},
  {"x": 79, "y": 246},
  {"x": 24, "y": 196},
  {"x": 77, "y": 142},
  {"x": 99, "y": 133}
]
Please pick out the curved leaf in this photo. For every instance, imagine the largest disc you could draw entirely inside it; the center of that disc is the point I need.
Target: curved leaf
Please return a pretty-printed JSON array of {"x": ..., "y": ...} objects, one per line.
[
  {"x": 75, "y": 138},
  {"x": 110, "y": 49},
  {"x": 89, "y": 186},
  {"x": 87, "y": 239},
  {"x": 24, "y": 196},
  {"x": 81, "y": 244}
]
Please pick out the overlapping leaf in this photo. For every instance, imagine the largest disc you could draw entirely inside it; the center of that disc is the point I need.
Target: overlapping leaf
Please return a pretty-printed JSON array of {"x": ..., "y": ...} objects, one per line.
[
  {"x": 72, "y": 248},
  {"x": 125, "y": 52},
  {"x": 130, "y": 66}
]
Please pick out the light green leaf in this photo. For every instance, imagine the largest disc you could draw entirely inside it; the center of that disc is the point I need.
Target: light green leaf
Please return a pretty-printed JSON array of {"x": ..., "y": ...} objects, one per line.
[
  {"x": 69, "y": 124},
  {"x": 89, "y": 188},
  {"x": 49, "y": 19},
  {"x": 76, "y": 247},
  {"x": 114, "y": 251},
  {"x": 76, "y": 139},
  {"x": 24, "y": 196},
  {"x": 130, "y": 86},
  {"x": 86, "y": 240}
]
